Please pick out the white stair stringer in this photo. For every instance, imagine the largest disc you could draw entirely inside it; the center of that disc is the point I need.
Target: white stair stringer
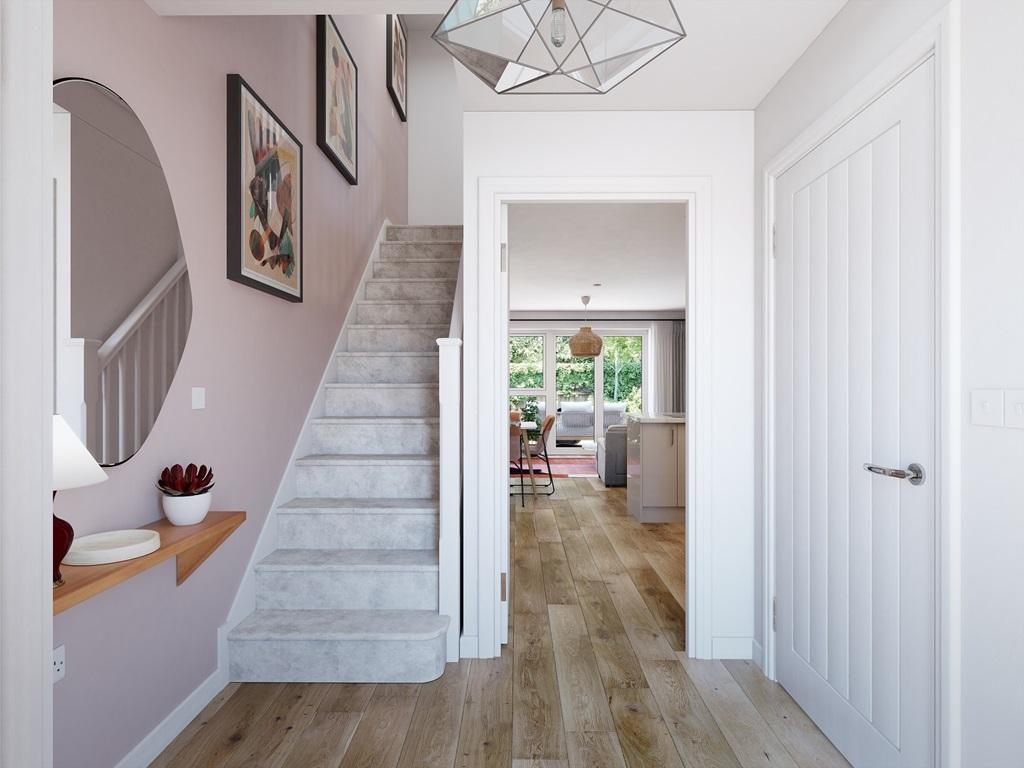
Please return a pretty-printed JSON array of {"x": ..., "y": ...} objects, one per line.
[{"x": 351, "y": 593}]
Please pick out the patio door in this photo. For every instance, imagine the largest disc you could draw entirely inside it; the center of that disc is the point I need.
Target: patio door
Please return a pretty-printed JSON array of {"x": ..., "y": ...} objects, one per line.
[{"x": 585, "y": 394}]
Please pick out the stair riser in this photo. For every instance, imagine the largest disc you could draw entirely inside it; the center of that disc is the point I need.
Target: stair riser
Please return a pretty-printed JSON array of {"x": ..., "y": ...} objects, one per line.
[
  {"x": 392, "y": 269},
  {"x": 356, "y": 531},
  {"x": 416, "y": 401},
  {"x": 431, "y": 290},
  {"x": 367, "y": 482},
  {"x": 397, "y": 339},
  {"x": 422, "y": 234},
  {"x": 359, "y": 590},
  {"x": 420, "y": 250},
  {"x": 403, "y": 312},
  {"x": 375, "y": 438},
  {"x": 387, "y": 370},
  {"x": 336, "y": 661}
]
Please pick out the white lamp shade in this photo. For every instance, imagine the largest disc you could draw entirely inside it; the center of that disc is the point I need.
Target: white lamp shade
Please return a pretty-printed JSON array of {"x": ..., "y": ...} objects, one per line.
[{"x": 73, "y": 465}]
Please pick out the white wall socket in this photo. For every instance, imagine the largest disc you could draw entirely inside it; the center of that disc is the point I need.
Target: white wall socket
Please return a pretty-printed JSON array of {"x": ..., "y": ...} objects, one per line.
[
  {"x": 198, "y": 398},
  {"x": 987, "y": 407},
  {"x": 1014, "y": 408},
  {"x": 59, "y": 663}
]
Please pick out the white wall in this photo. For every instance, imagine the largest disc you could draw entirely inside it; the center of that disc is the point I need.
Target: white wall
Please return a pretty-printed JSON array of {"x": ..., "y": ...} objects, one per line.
[
  {"x": 857, "y": 40},
  {"x": 716, "y": 145},
  {"x": 993, "y": 350},
  {"x": 435, "y": 134}
]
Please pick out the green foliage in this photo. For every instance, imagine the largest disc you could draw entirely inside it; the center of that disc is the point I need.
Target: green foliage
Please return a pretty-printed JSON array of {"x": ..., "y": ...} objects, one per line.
[{"x": 525, "y": 362}]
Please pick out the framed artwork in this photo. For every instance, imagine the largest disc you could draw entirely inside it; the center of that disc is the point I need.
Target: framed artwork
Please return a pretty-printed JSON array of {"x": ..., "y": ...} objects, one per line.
[
  {"x": 398, "y": 65},
  {"x": 337, "y": 99},
  {"x": 264, "y": 196}
]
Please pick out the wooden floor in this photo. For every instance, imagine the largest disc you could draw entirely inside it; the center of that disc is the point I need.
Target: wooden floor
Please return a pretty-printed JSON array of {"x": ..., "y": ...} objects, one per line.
[{"x": 593, "y": 676}]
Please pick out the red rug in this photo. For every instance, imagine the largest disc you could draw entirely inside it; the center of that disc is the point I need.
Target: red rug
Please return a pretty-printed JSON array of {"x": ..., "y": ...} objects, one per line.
[{"x": 565, "y": 466}]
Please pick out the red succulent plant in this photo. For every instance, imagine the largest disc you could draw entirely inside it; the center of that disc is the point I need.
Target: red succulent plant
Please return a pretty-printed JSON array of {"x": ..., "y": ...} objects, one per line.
[{"x": 190, "y": 481}]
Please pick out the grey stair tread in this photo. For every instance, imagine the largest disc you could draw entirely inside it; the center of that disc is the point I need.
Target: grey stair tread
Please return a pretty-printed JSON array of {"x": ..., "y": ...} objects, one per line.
[
  {"x": 366, "y": 506},
  {"x": 404, "y": 302},
  {"x": 340, "y": 625},
  {"x": 385, "y": 420},
  {"x": 412, "y": 280},
  {"x": 404, "y": 326},
  {"x": 421, "y": 258},
  {"x": 347, "y": 353},
  {"x": 381, "y": 385},
  {"x": 388, "y": 459},
  {"x": 349, "y": 560}
]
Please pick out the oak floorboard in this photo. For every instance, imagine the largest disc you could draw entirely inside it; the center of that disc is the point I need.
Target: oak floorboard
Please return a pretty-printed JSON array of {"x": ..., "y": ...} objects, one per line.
[
  {"x": 433, "y": 736},
  {"x": 668, "y": 613},
  {"x": 529, "y": 594},
  {"x": 753, "y": 742},
  {"x": 523, "y": 533},
  {"x": 276, "y": 730},
  {"x": 322, "y": 743},
  {"x": 670, "y": 567},
  {"x": 215, "y": 744},
  {"x": 595, "y": 750},
  {"x": 545, "y": 525},
  {"x": 579, "y": 681},
  {"x": 583, "y": 510},
  {"x": 382, "y": 730},
  {"x": 577, "y": 552},
  {"x": 558, "y": 581},
  {"x": 616, "y": 659},
  {"x": 537, "y": 731},
  {"x": 798, "y": 734},
  {"x": 192, "y": 730},
  {"x": 644, "y": 633},
  {"x": 699, "y": 740},
  {"x": 346, "y": 697},
  {"x": 643, "y": 737},
  {"x": 485, "y": 740},
  {"x": 601, "y": 550}
]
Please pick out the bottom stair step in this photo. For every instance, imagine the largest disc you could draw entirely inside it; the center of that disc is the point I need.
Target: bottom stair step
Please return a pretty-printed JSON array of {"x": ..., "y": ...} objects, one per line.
[{"x": 338, "y": 646}]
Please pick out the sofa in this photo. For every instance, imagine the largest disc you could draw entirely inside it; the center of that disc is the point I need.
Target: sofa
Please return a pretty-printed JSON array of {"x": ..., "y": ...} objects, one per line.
[
  {"x": 611, "y": 456},
  {"x": 576, "y": 420}
]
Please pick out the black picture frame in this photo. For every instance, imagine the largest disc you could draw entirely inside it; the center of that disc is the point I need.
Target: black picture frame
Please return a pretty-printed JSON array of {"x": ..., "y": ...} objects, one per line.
[
  {"x": 350, "y": 174},
  {"x": 394, "y": 20},
  {"x": 239, "y": 196}
]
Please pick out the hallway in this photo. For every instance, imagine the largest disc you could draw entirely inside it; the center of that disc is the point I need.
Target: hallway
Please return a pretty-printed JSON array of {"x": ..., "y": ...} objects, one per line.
[{"x": 593, "y": 676}]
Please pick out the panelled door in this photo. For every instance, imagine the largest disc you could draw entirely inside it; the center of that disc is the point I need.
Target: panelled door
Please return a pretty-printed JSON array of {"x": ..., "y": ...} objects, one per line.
[{"x": 855, "y": 275}]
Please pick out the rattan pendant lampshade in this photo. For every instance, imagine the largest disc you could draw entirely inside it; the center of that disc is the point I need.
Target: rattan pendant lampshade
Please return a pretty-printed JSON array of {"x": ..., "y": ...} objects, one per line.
[{"x": 586, "y": 343}]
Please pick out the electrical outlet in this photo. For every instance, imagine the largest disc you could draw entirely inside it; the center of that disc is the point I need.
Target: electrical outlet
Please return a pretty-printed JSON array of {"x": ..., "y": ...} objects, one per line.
[
  {"x": 59, "y": 663},
  {"x": 1014, "y": 408},
  {"x": 198, "y": 398},
  {"x": 987, "y": 407}
]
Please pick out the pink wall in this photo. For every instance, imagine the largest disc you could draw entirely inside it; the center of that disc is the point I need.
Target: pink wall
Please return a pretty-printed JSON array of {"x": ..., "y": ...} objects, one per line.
[{"x": 136, "y": 652}]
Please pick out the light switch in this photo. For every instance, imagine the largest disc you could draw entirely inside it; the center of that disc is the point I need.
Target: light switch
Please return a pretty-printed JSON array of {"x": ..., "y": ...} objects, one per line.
[
  {"x": 987, "y": 407},
  {"x": 1014, "y": 408},
  {"x": 198, "y": 398}
]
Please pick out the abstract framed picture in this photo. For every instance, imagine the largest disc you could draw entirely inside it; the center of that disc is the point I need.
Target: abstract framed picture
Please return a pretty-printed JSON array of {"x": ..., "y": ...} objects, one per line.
[
  {"x": 337, "y": 99},
  {"x": 398, "y": 65},
  {"x": 264, "y": 219}
]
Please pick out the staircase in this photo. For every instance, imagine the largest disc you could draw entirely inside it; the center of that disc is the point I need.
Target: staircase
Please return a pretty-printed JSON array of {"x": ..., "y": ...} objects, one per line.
[{"x": 351, "y": 595}]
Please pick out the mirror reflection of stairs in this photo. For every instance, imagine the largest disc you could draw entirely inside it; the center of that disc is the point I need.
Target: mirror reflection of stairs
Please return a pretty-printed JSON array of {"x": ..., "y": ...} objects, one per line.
[{"x": 351, "y": 595}]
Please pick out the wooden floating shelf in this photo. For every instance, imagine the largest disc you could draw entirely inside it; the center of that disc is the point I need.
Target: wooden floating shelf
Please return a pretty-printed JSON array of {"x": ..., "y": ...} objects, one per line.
[{"x": 191, "y": 544}]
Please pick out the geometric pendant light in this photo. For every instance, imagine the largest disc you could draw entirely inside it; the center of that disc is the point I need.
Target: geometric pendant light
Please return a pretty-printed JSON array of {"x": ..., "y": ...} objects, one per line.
[{"x": 558, "y": 46}]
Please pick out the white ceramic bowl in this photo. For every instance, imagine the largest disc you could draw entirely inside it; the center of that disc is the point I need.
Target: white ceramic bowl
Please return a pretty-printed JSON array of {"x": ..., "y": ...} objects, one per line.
[{"x": 187, "y": 510}]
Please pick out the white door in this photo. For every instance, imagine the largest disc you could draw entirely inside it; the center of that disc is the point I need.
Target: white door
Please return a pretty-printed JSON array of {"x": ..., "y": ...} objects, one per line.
[{"x": 855, "y": 380}]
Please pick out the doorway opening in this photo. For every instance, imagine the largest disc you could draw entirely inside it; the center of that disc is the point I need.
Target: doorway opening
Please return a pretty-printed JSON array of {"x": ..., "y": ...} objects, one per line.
[{"x": 597, "y": 437}]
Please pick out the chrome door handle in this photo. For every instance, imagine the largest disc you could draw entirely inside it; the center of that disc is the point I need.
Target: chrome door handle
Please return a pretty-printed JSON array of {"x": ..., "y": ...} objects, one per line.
[{"x": 914, "y": 473}]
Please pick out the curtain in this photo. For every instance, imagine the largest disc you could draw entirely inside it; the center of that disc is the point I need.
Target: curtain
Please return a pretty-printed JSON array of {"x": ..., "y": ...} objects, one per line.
[{"x": 668, "y": 361}]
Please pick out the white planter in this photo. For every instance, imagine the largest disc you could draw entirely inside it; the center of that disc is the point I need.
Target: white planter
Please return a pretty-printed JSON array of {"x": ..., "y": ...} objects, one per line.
[{"x": 187, "y": 510}]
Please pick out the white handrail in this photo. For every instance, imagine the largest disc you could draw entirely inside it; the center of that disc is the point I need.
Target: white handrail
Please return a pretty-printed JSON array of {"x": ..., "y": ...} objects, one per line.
[
  {"x": 455, "y": 330},
  {"x": 142, "y": 310}
]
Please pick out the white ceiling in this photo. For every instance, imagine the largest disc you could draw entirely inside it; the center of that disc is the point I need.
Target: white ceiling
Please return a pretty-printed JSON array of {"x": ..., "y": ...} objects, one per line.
[
  {"x": 735, "y": 52},
  {"x": 557, "y": 251}
]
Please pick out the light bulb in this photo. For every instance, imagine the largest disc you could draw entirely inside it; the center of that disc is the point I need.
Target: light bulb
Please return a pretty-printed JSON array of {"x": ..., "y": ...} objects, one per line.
[{"x": 558, "y": 23}]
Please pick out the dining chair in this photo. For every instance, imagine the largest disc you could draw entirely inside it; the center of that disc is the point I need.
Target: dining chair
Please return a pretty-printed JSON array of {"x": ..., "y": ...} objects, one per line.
[{"x": 515, "y": 458}]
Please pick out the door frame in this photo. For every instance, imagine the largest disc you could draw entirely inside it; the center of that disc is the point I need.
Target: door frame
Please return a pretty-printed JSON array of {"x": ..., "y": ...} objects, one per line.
[
  {"x": 939, "y": 38},
  {"x": 485, "y": 520}
]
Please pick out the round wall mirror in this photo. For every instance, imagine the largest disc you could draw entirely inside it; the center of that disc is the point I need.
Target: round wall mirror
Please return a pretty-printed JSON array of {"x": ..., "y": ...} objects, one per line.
[{"x": 123, "y": 305}]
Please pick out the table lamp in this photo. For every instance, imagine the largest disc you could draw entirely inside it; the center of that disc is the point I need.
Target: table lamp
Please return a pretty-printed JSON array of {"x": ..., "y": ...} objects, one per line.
[{"x": 73, "y": 467}]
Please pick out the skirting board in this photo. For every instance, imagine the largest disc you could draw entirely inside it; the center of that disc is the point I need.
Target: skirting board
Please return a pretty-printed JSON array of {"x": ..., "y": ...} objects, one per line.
[
  {"x": 156, "y": 741},
  {"x": 732, "y": 647},
  {"x": 758, "y": 655}
]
